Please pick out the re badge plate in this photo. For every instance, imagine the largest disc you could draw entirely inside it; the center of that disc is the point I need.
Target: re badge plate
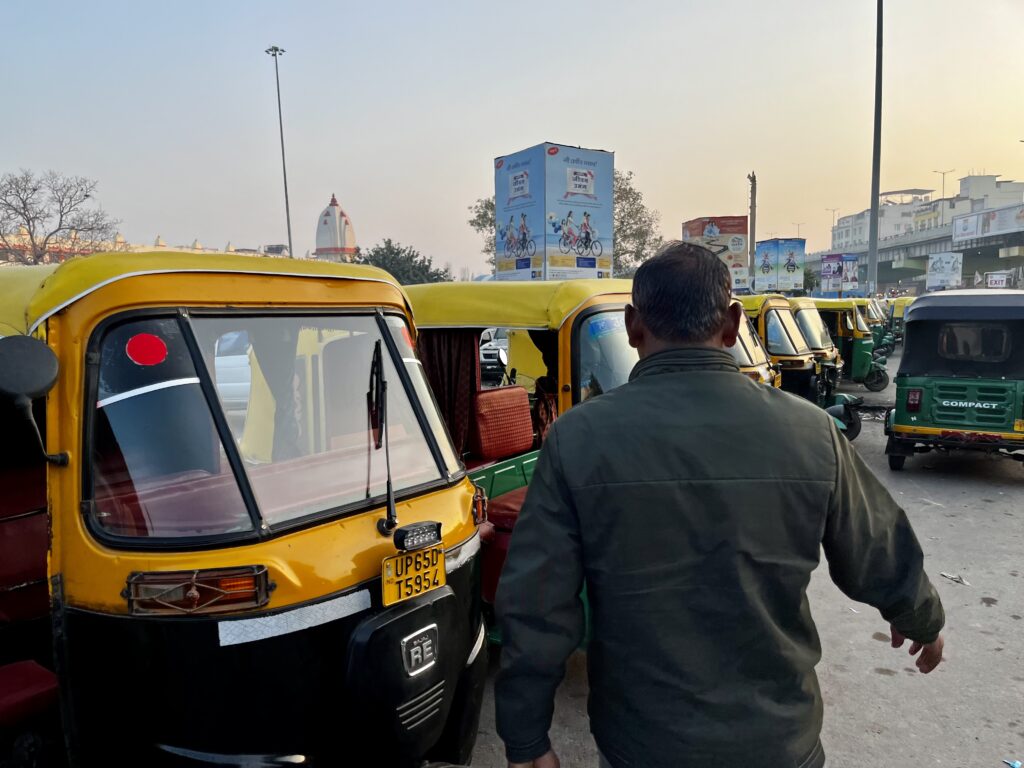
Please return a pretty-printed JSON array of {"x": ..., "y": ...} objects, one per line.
[{"x": 410, "y": 574}]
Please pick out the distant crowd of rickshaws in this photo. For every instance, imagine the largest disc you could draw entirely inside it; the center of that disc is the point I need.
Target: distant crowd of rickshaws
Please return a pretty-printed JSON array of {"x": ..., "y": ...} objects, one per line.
[{"x": 255, "y": 511}]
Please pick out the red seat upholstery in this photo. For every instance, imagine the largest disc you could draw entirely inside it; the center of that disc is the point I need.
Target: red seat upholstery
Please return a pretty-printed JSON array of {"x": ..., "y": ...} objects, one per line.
[
  {"x": 26, "y": 690},
  {"x": 502, "y": 513},
  {"x": 503, "y": 510},
  {"x": 24, "y": 541},
  {"x": 504, "y": 423}
]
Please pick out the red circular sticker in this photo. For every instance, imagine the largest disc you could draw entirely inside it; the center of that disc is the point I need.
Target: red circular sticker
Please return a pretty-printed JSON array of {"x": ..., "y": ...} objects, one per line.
[
  {"x": 552, "y": 150},
  {"x": 146, "y": 349}
]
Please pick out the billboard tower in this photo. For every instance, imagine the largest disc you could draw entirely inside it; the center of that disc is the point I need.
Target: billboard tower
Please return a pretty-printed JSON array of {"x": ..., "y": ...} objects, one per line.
[{"x": 553, "y": 208}]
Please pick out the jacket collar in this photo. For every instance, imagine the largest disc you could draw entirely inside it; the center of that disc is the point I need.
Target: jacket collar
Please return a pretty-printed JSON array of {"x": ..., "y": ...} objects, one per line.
[{"x": 685, "y": 359}]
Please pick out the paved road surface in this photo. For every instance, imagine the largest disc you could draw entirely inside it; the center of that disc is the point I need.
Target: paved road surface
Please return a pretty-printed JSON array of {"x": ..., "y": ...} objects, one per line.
[{"x": 968, "y": 512}]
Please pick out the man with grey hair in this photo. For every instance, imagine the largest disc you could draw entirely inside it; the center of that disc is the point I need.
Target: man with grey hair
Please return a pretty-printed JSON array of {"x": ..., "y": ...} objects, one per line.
[{"x": 694, "y": 504}]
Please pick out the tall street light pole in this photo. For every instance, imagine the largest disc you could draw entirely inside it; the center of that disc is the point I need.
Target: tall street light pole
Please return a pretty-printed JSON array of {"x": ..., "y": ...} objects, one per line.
[
  {"x": 942, "y": 203},
  {"x": 833, "y": 233},
  {"x": 798, "y": 224},
  {"x": 276, "y": 52},
  {"x": 876, "y": 159}
]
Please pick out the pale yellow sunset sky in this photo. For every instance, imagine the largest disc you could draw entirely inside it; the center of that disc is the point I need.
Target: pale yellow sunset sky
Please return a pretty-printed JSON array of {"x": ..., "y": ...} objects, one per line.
[{"x": 400, "y": 107}]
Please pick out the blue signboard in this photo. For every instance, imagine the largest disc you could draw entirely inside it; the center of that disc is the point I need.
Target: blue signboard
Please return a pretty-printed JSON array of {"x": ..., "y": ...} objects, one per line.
[{"x": 554, "y": 213}]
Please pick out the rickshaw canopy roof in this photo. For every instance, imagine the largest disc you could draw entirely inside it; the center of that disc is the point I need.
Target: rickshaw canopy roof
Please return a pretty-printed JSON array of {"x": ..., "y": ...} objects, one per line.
[
  {"x": 536, "y": 305},
  {"x": 836, "y": 304},
  {"x": 30, "y": 294},
  {"x": 755, "y": 302},
  {"x": 802, "y": 302},
  {"x": 970, "y": 304}
]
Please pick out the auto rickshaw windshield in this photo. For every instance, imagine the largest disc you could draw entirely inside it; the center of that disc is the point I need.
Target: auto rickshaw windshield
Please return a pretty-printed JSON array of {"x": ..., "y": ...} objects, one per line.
[
  {"x": 605, "y": 357},
  {"x": 862, "y": 325},
  {"x": 783, "y": 334},
  {"x": 191, "y": 413},
  {"x": 813, "y": 328}
]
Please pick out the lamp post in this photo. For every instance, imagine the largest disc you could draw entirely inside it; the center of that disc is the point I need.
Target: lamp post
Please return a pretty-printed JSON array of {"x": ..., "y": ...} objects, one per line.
[
  {"x": 834, "y": 210},
  {"x": 942, "y": 204},
  {"x": 876, "y": 159},
  {"x": 276, "y": 52},
  {"x": 798, "y": 224}
]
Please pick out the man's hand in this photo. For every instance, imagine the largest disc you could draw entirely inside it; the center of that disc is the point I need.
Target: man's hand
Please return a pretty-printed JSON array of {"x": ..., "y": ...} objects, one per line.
[
  {"x": 931, "y": 653},
  {"x": 548, "y": 760}
]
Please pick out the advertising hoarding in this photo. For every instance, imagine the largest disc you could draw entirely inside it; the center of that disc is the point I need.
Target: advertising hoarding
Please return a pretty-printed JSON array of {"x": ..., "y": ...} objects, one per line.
[
  {"x": 832, "y": 272},
  {"x": 554, "y": 212},
  {"x": 998, "y": 221},
  {"x": 726, "y": 237},
  {"x": 839, "y": 272},
  {"x": 944, "y": 270},
  {"x": 766, "y": 266},
  {"x": 791, "y": 263},
  {"x": 851, "y": 267}
]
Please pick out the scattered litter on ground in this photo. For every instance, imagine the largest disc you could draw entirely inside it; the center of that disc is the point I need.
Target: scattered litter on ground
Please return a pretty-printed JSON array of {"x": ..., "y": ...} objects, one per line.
[
  {"x": 933, "y": 503},
  {"x": 955, "y": 577},
  {"x": 853, "y": 609},
  {"x": 1014, "y": 763}
]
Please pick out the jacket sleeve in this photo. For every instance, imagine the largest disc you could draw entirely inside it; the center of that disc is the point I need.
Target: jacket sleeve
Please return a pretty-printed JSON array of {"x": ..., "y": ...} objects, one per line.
[
  {"x": 539, "y": 608},
  {"x": 873, "y": 554}
]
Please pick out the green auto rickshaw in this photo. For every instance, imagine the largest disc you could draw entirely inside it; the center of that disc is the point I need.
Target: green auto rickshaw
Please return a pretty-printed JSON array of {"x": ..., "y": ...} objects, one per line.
[
  {"x": 960, "y": 385},
  {"x": 851, "y": 332}
]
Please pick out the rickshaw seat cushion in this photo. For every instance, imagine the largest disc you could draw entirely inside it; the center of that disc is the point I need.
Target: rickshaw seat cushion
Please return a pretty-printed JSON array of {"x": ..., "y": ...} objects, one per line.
[
  {"x": 504, "y": 423},
  {"x": 503, "y": 510},
  {"x": 26, "y": 690}
]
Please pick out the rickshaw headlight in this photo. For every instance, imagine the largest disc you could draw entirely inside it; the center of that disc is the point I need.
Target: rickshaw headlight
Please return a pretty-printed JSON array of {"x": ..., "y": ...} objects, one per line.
[
  {"x": 211, "y": 590},
  {"x": 913, "y": 400}
]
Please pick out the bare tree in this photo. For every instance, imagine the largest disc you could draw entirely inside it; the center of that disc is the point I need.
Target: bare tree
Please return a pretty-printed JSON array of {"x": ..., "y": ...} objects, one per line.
[{"x": 48, "y": 215}]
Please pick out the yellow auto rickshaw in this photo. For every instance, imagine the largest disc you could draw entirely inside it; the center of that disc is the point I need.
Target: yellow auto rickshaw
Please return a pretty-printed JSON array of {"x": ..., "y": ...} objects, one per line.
[
  {"x": 773, "y": 319},
  {"x": 897, "y": 308},
  {"x": 233, "y": 524},
  {"x": 809, "y": 368}
]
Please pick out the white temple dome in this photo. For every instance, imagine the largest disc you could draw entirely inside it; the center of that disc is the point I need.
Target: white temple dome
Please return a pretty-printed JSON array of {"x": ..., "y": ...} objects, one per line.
[{"x": 335, "y": 237}]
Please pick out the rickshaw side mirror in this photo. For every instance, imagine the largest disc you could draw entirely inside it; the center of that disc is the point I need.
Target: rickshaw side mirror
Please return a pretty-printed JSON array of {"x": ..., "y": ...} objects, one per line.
[
  {"x": 28, "y": 370},
  {"x": 503, "y": 357}
]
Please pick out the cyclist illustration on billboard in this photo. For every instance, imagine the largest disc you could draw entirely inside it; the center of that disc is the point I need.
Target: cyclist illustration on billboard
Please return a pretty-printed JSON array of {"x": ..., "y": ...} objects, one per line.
[
  {"x": 569, "y": 237},
  {"x": 766, "y": 265},
  {"x": 791, "y": 262},
  {"x": 587, "y": 242},
  {"x": 510, "y": 236}
]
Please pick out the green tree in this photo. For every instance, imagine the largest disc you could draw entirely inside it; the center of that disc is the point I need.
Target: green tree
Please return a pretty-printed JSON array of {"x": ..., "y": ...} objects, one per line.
[
  {"x": 407, "y": 265},
  {"x": 482, "y": 222},
  {"x": 636, "y": 236},
  {"x": 636, "y": 226}
]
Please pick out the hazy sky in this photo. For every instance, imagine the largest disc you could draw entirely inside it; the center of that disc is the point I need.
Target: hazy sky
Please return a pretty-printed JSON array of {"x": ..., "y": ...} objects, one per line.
[{"x": 399, "y": 107}]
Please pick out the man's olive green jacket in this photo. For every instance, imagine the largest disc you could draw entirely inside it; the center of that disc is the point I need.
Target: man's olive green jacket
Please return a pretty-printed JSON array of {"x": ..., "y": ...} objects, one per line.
[{"x": 694, "y": 504}]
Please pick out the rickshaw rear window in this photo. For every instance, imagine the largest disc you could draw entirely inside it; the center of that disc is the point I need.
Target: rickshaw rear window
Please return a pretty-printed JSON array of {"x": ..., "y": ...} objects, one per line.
[
  {"x": 975, "y": 342},
  {"x": 292, "y": 390}
]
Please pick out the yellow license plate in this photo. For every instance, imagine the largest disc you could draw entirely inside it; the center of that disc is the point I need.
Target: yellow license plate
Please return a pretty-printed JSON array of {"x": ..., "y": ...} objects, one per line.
[
  {"x": 1018, "y": 425},
  {"x": 409, "y": 574}
]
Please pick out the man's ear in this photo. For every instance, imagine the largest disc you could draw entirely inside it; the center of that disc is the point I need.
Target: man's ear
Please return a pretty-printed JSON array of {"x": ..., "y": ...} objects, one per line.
[
  {"x": 731, "y": 326},
  {"x": 635, "y": 328}
]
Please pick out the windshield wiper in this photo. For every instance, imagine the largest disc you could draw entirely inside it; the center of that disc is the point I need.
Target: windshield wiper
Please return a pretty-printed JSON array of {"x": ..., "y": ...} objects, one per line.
[{"x": 379, "y": 434}]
